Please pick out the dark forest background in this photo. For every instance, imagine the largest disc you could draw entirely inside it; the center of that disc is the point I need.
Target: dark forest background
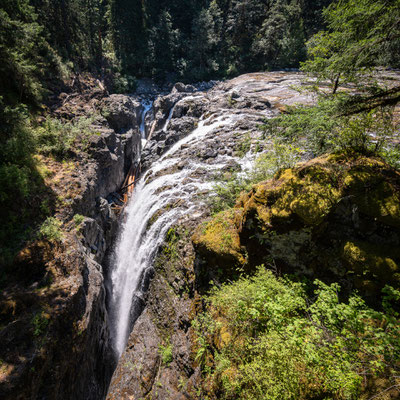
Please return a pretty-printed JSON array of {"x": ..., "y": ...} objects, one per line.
[{"x": 44, "y": 40}]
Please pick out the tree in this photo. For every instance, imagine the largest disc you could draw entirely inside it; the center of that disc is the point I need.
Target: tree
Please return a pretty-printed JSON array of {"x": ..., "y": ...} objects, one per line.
[
  {"x": 204, "y": 41},
  {"x": 361, "y": 35},
  {"x": 20, "y": 39},
  {"x": 280, "y": 42}
]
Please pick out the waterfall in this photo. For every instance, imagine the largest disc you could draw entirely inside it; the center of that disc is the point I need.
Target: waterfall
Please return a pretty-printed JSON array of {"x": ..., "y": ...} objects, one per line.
[
  {"x": 171, "y": 112},
  {"x": 147, "y": 105},
  {"x": 156, "y": 192}
]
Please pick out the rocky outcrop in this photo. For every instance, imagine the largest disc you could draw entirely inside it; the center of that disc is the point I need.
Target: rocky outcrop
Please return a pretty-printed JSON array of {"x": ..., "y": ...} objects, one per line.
[
  {"x": 335, "y": 218},
  {"x": 121, "y": 111}
]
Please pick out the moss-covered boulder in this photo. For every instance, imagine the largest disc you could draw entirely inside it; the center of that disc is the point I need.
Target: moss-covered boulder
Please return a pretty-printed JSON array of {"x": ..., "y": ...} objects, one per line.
[
  {"x": 218, "y": 244},
  {"x": 335, "y": 218}
]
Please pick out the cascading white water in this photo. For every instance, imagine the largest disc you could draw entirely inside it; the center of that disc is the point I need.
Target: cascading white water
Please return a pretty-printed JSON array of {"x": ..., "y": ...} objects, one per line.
[
  {"x": 147, "y": 105},
  {"x": 171, "y": 112},
  {"x": 140, "y": 239}
]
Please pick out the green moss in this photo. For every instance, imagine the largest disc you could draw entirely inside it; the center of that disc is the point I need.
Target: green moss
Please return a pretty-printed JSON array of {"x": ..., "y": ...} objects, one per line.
[
  {"x": 383, "y": 203},
  {"x": 311, "y": 219},
  {"x": 219, "y": 235},
  {"x": 309, "y": 193},
  {"x": 371, "y": 262}
]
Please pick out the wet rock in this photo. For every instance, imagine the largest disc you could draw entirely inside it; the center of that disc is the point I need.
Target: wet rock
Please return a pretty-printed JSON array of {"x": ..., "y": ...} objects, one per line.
[{"x": 182, "y": 88}]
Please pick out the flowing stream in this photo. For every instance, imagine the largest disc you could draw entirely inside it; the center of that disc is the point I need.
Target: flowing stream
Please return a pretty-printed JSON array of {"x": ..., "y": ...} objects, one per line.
[
  {"x": 147, "y": 105},
  {"x": 156, "y": 193},
  {"x": 172, "y": 188}
]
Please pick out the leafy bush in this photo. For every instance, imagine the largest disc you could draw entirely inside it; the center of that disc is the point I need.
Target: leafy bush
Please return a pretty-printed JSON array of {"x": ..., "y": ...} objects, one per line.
[
  {"x": 57, "y": 138},
  {"x": 51, "y": 229},
  {"x": 264, "y": 338}
]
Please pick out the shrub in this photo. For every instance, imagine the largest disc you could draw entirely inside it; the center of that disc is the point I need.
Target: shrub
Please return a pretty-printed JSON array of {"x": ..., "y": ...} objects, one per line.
[
  {"x": 264, "y": 338},
  {"x": 51, "y": 229},
  {"x": 55, "y": 137}
]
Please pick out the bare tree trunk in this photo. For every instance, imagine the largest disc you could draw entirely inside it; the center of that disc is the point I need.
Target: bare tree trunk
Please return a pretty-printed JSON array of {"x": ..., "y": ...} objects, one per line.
[{"x": 336, "y": 85}]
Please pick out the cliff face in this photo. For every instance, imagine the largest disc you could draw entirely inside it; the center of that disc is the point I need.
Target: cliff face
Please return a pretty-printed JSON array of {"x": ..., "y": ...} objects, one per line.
[{"x": 54, "y": 324}]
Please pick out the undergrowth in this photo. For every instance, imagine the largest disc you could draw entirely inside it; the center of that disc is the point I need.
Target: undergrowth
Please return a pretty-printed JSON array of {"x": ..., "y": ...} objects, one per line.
[{"x": 264, "y": 337}]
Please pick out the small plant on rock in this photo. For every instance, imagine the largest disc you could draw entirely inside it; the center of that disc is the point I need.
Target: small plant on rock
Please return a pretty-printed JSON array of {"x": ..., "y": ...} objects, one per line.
[{"x": 51, "y": 230}]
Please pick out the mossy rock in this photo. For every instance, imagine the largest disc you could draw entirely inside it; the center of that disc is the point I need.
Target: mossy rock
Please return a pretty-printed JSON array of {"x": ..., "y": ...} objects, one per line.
[
  {"x": 372, "y": 265},
  {"x": 220, "y": 236},
  {"x": 331, "y": 218},
  {"x": 307, "y": 193}
]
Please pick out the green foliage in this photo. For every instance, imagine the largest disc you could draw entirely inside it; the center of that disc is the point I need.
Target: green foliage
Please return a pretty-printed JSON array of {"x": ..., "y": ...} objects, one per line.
[
  {"x": 269, "y": 340},
  {"x": 20, "y": 39},
  {"x": 280, "y": 41},
  {"x": 244, "y": 145},
  {"x": 170, "y": 246},
  {"x": 212, "y": 37},
  {"x": 325, "y": 127},
  {"x": 124, "y": 83},
  {"x": 78, "y": 219},
  {"x": 39, "y": 323},
  {"x": 74, "y": 29},
  {"x": 361, "y": 35},
  {"x": 166, "y": 353},
  {"x": 51, "y": 229},
  {"x": 15, "y": 153},
  {"x": 55, "y": 137}
]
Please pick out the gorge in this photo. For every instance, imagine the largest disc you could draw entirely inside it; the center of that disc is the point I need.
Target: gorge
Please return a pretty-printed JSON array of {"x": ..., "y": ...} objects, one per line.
[
  {"x": 200, "y": 200},
  {"x": 140, "y": 271},
  {"x": 177, "y": 183}
]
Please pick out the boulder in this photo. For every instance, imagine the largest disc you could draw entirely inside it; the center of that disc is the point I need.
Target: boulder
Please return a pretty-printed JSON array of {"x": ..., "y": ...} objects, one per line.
[{"x": 121, "y": 111}]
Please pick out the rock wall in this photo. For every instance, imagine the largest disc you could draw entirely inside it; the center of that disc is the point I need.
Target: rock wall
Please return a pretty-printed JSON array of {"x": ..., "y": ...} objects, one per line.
[{"x": 54, "y": 336}]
